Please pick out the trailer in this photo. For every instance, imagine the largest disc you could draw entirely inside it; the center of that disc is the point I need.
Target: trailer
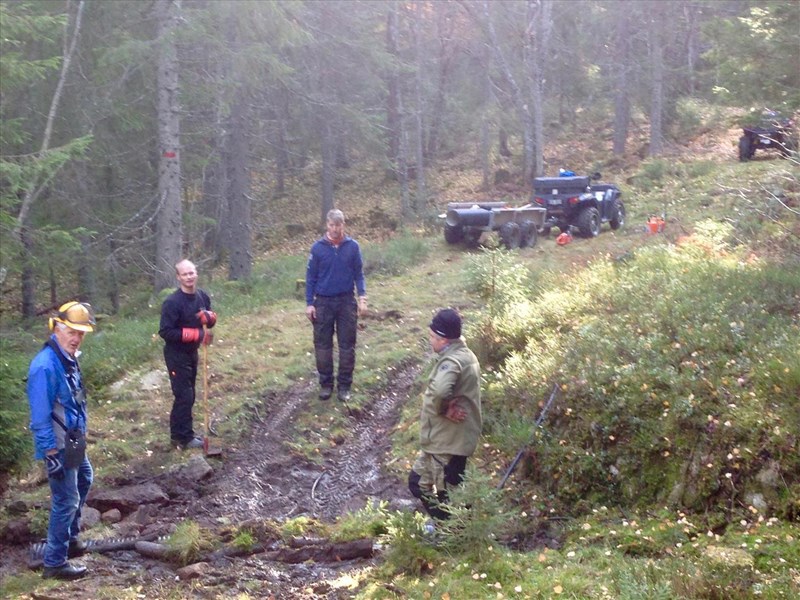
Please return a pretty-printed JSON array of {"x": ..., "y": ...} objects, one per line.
[{"x": 517, "y": 227}]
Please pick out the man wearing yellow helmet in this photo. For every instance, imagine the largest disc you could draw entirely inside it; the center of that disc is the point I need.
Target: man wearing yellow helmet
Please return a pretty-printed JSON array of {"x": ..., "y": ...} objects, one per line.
[{"x": 57, "y": 400}]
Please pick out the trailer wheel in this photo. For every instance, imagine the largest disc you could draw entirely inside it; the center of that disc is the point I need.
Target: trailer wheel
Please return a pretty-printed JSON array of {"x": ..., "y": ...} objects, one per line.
[
  {"x": 528, "y": 234},
  {"x": 510, "y": 235},
  {"x": 589, "y": 222},
  {"x": 453, "y": 234},
  {"x": 472, "y": 238}
]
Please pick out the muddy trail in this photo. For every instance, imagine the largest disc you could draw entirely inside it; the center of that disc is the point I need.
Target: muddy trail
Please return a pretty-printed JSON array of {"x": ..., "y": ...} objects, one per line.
[{"x": 258, "y": 478}]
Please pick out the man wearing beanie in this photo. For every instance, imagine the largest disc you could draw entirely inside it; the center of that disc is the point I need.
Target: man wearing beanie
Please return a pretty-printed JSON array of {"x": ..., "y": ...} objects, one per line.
[{"x": 450, "y": 419}]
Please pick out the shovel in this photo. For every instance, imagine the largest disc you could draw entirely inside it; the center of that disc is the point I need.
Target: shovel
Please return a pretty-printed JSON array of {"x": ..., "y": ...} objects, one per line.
[{"x": 208, "y": 448}]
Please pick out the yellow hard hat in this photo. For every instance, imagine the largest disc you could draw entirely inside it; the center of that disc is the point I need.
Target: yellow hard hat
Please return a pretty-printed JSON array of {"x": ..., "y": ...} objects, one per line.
[{"x": 75, "y": 315}]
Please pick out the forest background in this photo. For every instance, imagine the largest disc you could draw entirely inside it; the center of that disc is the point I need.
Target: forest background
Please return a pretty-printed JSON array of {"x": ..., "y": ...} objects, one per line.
[{"x": 136, "y": 133}]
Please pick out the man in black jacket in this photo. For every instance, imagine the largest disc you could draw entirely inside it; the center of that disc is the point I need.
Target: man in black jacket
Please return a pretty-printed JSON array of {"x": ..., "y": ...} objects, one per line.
[{"x": 186, "y": 322}]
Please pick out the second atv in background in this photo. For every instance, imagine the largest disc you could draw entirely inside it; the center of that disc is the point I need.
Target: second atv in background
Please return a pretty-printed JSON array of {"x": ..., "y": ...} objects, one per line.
[
  {"x": 575, "y": 202},
  {"x": 769, "y": 131}
]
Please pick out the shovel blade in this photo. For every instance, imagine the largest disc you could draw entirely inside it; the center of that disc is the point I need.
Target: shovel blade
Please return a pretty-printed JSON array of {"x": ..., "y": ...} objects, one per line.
[{"x": 210, "y": 449}]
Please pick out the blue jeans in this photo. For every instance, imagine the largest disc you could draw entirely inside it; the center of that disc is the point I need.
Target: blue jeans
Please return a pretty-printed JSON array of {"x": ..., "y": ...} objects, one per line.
[
  {"x": 335, "y": 314},
  {"x": 67, "y": 497}
]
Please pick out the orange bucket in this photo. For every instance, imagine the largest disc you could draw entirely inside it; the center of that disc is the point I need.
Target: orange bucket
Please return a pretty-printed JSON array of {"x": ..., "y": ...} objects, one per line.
[{"x": 655, "y": 224}]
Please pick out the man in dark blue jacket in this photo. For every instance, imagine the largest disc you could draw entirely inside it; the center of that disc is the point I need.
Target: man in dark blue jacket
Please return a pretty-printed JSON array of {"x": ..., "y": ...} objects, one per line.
[
  {"x": 57, "y": 399},
  {"x": 186, "y": 322},
  {"x": 335, "y": 269}
]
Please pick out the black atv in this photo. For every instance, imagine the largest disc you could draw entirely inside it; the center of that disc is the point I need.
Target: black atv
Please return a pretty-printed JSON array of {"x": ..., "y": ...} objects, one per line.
[
  {"x": 574, "y": 202},
  {"x": 770, "y": 132}
]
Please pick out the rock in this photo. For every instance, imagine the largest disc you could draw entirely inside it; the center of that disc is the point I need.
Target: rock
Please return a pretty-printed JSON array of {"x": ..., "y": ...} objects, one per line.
[
  {"x": 192, "y": 571},
  {"x": 127, "y": 499},
  {"x": 17, "y": 507},
  {"x": 757, "y": 501},
  {"x": 16, "y": 532},
  {"x": 731, "y": 557},
  {"x": 770, "y": 476},
  {"x": 144, "y": 515},
  {"x": 89, "y": 517},
  {"x": 195, "y": 469},
  {"x": 111, "y": 516}
]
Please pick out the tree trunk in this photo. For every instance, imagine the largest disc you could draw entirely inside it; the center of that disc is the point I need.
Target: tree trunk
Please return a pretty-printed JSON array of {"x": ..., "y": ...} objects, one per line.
[
  {"x": 393, "y": 91},
  {"x": 656, "y": 46},
  {"x": 421, "y": 197},
  {"x": 328, "y": 168},
  {"x": 169, "y": 227},
  {"x": 541, "y": 23},
  {"x": 622, "y": 105},
  {"x": 239, "y": 202}
]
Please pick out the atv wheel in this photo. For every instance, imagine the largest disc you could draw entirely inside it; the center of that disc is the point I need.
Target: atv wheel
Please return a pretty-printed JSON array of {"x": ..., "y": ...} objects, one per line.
[
  {"x": 453, "y": 234},
  {"x": 589, "y": 222},
  {"x": 745, "y": 150},
  {"x": 510, "y": 235},
  {"x": 618, "y": 220},
  {"x": 528, "y": 234}
]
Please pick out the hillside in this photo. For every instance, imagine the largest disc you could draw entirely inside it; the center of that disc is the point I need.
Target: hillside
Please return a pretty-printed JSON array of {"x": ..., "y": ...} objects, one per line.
[{"x": 644, "y": 335}]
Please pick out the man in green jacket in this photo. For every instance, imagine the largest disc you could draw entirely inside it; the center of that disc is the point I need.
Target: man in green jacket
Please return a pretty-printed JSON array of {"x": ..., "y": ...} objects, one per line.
[{"x": 450, "y": 419}]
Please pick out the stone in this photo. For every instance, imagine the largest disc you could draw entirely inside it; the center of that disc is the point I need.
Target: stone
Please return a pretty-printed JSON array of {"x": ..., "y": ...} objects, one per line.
[
  {"x": 111, "y": 516},
  {"x": 127, "y": 499}
]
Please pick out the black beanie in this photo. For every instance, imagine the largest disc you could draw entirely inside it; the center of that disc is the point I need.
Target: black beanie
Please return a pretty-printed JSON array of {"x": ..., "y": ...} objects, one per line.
[{"x": 447, "y": 324}]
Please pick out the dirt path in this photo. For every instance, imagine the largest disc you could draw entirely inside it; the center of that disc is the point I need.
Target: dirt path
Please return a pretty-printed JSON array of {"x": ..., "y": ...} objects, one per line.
[{"x": 259, "y": 478}]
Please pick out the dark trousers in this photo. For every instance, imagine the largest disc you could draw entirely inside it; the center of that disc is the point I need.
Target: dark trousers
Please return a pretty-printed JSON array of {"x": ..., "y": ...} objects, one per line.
[
  {"x": 453, "y": 476},
  {"x": 182, "y": 367},
  {"x": 336, "y": 314}
]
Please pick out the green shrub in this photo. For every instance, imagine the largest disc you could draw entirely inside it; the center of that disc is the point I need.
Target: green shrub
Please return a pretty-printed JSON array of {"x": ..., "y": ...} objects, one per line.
[{"x": 188, "y": 543}]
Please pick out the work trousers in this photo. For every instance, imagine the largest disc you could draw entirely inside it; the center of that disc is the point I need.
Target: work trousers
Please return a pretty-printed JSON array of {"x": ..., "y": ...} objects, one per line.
[
  {"x": 67, "y": 497},
  {"x": 430, "y": 478},
  {"x": 182, "y": 367},
  {"x": 335, "y": 314}
]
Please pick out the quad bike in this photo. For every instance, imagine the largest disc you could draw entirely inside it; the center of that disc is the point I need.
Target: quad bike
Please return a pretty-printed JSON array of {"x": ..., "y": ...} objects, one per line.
[{"x": 771, "y": 132}]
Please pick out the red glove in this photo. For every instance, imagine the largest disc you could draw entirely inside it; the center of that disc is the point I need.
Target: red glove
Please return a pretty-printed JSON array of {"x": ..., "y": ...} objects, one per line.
[
  {"x": 207, "y": 317},
  {"x": 190, "y": 334}
]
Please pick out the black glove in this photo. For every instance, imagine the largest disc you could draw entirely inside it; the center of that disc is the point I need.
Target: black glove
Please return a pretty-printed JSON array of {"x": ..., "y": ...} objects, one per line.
[
  {"x": 207, "y": 317},
  {"x": 55, "y": 468}
]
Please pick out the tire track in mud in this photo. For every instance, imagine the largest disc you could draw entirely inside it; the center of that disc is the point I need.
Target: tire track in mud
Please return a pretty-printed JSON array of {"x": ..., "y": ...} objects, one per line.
[{"x": 259, "y": 477}]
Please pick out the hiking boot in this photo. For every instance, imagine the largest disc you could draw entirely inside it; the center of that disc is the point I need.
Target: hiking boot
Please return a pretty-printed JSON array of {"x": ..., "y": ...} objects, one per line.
[
  {"x": 325, "y": 392},
  {"x": 66, "y": 571},
  {"x": 343, "y": 394},
  {"x": 193, "y": 443},
  {"x": 76, "y": 548}
]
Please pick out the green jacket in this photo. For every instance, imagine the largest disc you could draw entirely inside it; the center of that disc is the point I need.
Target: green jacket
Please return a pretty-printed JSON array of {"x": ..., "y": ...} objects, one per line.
[{"x": 456, "y": 373}]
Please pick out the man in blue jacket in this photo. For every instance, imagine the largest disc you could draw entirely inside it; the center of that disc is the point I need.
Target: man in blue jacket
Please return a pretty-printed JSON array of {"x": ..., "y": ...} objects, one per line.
[
  {"x": 335, "y": 269},
  {"x": 57, "y": 400}
]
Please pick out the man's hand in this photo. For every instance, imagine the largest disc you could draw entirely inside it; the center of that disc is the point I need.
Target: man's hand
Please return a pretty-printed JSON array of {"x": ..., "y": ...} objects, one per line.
[
  {"x": 362, "y": 306},
  {"x": 207, "y": 317},
  {"x": 55, "y": 468},
  {"x": 311, "y": 313},
  {"x": 453, "y": 411}
]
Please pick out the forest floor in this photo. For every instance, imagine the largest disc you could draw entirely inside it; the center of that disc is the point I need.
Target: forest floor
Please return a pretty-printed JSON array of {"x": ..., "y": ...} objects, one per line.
[{"x": 257, "y": 479}]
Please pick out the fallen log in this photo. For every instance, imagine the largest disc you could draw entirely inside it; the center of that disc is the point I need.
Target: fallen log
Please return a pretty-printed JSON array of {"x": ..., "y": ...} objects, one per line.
[{"x": 363, "y": 548}]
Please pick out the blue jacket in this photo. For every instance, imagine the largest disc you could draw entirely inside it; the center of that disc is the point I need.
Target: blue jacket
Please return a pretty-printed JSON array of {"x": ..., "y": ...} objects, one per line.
[
  {"x": 333, "y": 271},
  {"x": 49, "y": 393}
]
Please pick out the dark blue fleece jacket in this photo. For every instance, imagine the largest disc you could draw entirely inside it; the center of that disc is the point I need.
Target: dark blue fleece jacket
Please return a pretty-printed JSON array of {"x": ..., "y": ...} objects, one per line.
[{"x": 334, "y": 270}]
